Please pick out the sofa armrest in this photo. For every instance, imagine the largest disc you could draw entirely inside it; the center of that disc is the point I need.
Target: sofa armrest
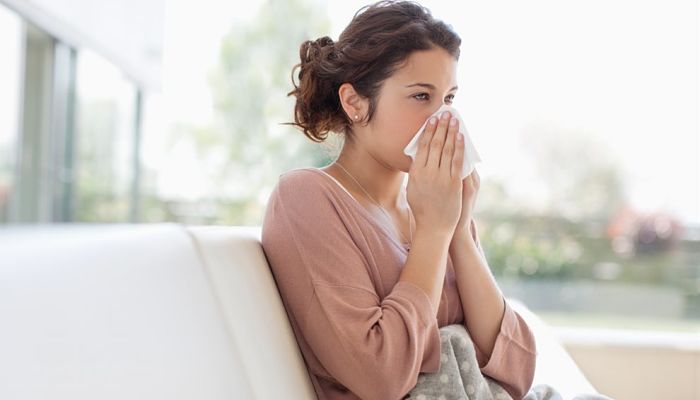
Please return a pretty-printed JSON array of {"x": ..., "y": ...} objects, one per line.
[{"x": 554, "y": 367}]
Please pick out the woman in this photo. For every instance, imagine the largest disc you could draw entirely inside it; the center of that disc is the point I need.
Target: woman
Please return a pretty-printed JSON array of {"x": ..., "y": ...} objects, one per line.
[{"x": 368, "y": 268}]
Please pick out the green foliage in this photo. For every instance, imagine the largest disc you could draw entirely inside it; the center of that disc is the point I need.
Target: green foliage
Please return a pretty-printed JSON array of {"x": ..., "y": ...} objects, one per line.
[
  {"x": 530, "y": 247},
  {"x": 520, "y": 246}
]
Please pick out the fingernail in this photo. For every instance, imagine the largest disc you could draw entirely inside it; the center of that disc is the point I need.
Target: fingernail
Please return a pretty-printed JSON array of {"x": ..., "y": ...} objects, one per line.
[
  {"x": 453, "y": 122},
  {"x": 445, "y": 115},
  {"x": 432, "y": 120}
]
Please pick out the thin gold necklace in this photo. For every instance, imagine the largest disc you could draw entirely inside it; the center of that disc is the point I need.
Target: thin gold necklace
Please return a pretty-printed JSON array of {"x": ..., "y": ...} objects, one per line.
[{"x": 408, "y": 210}]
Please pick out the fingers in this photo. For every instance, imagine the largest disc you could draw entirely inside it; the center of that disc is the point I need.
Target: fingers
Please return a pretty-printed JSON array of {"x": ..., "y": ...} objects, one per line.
[
  {"x": 449, "y": 147},
  {"x": 424, "y": 142},
  {"x": 458, "y": 157},
  {"x": 438, "y": 141},
  {"x": 474, "y": 178}
]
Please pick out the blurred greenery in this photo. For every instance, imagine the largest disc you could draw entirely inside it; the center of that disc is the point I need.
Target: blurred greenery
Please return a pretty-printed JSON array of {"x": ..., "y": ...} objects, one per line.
[
  {"x": 583, "y": 179},
  {"x": 245, "y": 148},
  {"x": 544, "y": 247}
]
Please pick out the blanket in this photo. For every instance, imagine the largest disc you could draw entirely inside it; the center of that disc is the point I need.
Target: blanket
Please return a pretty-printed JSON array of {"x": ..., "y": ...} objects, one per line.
[{"x": 459, "y": 376}]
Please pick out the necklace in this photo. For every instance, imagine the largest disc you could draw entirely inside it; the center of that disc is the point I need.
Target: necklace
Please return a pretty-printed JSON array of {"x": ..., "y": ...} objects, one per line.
[{"x": 408, "y": 210}]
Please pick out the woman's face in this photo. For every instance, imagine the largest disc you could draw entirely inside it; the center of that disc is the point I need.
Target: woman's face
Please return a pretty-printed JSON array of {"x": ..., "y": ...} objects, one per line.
[{"x": 406, "y": 99}]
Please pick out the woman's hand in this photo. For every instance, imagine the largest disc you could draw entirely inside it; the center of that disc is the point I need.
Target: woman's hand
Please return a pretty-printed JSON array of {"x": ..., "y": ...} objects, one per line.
[
  {"x": 434, "y": 190},
  {"x": 470, "y": 188}
]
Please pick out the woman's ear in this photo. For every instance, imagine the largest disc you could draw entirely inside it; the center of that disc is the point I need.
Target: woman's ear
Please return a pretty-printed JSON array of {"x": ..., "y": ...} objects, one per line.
[{"x": 354, "y": 105}]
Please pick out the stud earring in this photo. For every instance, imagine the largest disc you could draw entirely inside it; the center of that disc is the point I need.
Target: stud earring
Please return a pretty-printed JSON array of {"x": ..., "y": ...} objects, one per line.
[{"x": 356, "y": 116}]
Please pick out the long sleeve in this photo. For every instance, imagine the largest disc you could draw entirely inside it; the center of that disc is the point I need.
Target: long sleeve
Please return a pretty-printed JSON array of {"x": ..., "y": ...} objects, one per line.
[
  {"x": 513, "y": 359},
  {"x": 373, "y": 346},
  {"x": 514, "y": 355}
]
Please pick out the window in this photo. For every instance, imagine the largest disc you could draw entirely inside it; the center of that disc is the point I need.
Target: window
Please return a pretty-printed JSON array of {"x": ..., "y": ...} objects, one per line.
[
  {"x": 10, "y": 81},
  {"x": 104, "y": 141}
]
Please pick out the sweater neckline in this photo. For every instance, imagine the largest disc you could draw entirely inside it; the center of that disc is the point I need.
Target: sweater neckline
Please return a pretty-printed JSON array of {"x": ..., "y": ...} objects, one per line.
[{"x": 405, "y": 246}]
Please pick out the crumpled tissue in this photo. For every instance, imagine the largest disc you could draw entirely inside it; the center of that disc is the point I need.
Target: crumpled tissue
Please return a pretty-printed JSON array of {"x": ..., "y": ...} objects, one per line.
[{"x": 471, "y": 156}]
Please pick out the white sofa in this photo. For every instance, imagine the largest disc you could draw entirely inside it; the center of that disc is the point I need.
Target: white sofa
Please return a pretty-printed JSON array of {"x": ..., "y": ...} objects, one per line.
[{"x": 163, "y": 311}]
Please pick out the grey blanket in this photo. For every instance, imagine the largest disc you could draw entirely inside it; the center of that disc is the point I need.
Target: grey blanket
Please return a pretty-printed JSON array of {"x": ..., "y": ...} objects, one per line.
[{"x": 459, "y": 376}]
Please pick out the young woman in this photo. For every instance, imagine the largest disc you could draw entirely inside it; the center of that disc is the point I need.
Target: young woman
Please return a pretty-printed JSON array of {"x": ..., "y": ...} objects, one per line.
[{"x": 368, "y": 268}]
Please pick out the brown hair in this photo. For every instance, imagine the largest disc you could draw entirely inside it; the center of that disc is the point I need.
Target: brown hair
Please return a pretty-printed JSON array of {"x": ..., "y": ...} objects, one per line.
[{"x": 370, "y": 49}]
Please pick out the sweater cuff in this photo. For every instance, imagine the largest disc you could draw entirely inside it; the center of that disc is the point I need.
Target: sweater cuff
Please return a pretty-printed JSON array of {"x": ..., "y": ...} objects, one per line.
[
  {"x": 428, "y": 320},
  {"x": 507, "y": 341},
  {"x": 425, "y": 308}
]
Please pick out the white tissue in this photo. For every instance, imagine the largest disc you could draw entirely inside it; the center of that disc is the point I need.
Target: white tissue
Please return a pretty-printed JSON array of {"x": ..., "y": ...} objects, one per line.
[{"x": 471, "y": 157}]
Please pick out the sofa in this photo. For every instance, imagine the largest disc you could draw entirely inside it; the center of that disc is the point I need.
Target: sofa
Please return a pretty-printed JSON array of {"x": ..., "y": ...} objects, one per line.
[{"x": 164, "y": 311}]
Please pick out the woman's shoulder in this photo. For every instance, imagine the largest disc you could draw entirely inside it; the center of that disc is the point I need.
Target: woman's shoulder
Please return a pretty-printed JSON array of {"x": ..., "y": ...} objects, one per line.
[
  {"x": 301, "y": 197},
  {"x": 300, "y": 174},
  {"x": 301, "y": 184}
]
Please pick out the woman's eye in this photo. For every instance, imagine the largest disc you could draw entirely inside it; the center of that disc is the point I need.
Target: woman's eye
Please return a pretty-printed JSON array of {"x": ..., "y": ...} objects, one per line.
[
  {"x": 424, "y": 96},
  {"x": 421, "y": 96}
]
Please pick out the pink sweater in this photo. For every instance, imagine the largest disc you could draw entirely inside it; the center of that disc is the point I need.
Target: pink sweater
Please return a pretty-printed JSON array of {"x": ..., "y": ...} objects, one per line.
[{"x": 362, "y": 333}]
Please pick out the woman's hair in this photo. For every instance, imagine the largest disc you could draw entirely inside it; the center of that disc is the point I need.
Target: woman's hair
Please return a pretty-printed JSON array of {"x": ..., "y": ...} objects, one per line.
[{"x": 369, "y": 50}]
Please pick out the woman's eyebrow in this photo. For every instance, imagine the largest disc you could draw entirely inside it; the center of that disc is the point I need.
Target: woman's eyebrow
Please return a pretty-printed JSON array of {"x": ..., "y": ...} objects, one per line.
[{"x": 428, "y": 85}]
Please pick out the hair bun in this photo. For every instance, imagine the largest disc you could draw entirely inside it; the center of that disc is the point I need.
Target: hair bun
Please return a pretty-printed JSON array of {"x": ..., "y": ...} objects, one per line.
[
  {"x": 324, "y": 41},
  {"x": 317, "y": 49}
]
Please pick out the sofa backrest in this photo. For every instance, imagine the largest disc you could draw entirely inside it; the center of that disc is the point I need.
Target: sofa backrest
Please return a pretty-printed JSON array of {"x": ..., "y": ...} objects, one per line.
[
  {"x": 254, "y": 312},
  {"x": 149, "y": 311}
]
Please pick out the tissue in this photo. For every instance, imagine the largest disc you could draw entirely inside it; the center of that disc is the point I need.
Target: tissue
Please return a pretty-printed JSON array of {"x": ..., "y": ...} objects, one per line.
[{"x": 471, "y": 156}]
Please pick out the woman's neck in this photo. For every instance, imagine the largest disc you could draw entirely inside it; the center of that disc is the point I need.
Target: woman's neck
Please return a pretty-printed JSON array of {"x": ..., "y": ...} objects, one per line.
[{"x": 383, "y": 183}]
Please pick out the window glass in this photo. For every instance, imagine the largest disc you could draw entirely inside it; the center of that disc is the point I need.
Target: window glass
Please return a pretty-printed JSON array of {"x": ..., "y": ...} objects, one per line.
[
  {"x": 104, "y": 140},
  {"x": 10, "y": 73}
]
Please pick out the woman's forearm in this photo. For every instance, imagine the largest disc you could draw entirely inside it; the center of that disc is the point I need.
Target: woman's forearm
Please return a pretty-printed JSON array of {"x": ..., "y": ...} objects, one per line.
[
  {"x": 426, "y": 264},
  {"x": 482, "y": 300}
]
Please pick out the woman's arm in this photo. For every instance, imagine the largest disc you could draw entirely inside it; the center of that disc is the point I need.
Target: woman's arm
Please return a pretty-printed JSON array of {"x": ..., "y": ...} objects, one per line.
[
  {"x": 482, "y": 300},
  {"x": 426, "y": 264}
]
